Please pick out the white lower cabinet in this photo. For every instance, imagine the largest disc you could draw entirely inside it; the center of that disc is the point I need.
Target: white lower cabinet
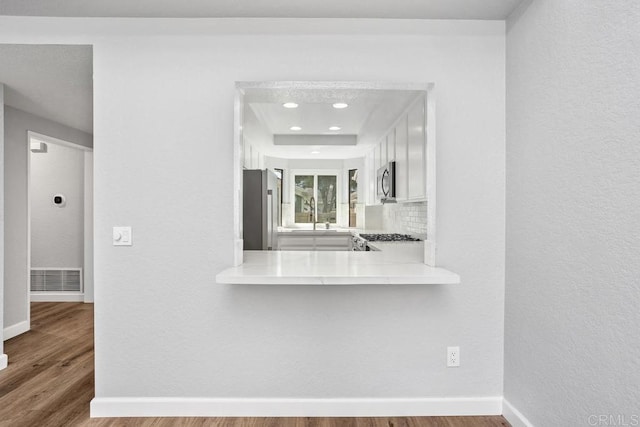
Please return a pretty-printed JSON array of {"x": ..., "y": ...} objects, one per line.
[{"x": 305, "y": 242}]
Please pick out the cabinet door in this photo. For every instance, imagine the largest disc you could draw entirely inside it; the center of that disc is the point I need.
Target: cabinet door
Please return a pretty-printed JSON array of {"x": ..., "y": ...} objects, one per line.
[
  {"x": 391, "y": 145},
  {"x": 416, "y": 152},
  {"x": 333, "y": 243},
  {"x": 371, "y": 171},
  {"x": 289, "y": 242},
  {"x": 402, "y": 165}
]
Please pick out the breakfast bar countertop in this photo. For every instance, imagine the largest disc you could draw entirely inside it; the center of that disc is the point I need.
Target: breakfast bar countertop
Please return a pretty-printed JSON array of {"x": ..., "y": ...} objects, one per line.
[{"x": 393, "y": 264}]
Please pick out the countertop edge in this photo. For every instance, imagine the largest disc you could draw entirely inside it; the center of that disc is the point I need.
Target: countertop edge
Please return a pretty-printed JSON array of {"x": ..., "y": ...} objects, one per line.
[
  {"x": 401, "y": 266},
  {"x": 232, "y": 276}
]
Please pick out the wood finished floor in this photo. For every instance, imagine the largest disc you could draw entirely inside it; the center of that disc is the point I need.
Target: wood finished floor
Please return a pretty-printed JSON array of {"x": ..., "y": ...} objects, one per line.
[{"x": 49, "y": 383}]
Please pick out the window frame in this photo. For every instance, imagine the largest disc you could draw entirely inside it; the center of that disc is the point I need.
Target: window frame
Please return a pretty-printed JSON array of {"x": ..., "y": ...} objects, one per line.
[
  {"x": 315, "y": 173},
  {"x": 430, "y": 178}
]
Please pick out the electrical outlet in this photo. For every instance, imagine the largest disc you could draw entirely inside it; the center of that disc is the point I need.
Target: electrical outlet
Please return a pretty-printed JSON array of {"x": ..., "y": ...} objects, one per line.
[{"x": 453, "y": 357}]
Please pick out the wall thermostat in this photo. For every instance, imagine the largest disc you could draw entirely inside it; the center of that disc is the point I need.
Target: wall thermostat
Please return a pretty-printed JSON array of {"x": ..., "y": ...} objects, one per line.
[{"x": 59, "y": 200}]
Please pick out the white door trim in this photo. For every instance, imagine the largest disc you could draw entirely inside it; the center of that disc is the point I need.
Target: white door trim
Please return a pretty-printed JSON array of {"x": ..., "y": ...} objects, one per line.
[
  {"x": 87, "y": 268},
  {"x": 52, "y": 140},
  {"x": 15, "y": 330}
]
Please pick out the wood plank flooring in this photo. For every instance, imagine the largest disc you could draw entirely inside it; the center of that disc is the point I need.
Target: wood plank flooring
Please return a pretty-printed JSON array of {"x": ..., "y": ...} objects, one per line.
[{"x": 49, "y": 383}]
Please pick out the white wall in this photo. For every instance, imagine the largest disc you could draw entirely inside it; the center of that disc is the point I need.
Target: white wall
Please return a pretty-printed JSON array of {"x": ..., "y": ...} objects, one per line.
[
  {"x": 163, "y": 165},
  {"x": 57, "y": 234},
  {"x": 573, "y": 171},
  {"x": 17, "y": 123},
  {"x": 200, "y": 339},
  {"x": 87, "y": 271},
  {"x": 3, "y": 357}
]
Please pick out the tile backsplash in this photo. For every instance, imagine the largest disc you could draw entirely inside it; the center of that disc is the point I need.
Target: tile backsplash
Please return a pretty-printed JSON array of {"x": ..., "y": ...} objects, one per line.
[{"x": 405, "y": 218}]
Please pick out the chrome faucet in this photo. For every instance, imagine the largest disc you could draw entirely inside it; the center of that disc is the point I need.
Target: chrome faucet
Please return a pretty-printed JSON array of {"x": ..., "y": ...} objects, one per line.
[{"x": 312, "y": 207}]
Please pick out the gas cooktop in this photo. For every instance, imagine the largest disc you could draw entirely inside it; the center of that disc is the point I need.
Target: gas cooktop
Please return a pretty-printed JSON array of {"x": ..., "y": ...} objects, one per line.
[{"x": 393, "y": 237}]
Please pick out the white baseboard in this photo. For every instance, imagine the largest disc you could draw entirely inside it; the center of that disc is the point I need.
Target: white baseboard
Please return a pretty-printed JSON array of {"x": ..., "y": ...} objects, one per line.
[
  {"x": 515, "y": 417},
  {"x": 15, "y": 330},
  {"x": 4, "y": 361},
  {"x": 56, "y": 297},
  {"x": 228, "y": 407}
]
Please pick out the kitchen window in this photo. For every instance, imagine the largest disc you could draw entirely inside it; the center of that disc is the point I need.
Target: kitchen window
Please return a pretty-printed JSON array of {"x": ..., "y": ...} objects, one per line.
[{"x": 316, "y": 196}]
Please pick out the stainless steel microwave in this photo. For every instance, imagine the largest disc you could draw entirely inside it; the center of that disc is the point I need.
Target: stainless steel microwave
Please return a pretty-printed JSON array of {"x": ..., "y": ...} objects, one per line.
[{"x": 386, "y": 183}]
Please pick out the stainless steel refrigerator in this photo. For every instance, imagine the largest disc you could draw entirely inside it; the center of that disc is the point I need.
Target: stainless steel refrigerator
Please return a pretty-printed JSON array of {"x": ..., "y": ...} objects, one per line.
[{"x": 260, "y": 211}]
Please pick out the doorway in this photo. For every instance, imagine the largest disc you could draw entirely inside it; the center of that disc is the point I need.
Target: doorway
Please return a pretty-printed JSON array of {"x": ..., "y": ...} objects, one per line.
[{"x": 60, "y": 220}]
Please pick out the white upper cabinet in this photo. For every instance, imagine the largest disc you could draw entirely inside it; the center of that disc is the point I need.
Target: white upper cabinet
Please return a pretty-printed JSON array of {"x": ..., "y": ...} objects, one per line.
[
  {"x": 401, "y": 159},
  {"x": 391, "y": 146},
  {"x": 371, "y": 169},
  {"x": 379, "y": 156},
  {"x": 417, "y": 152},
  {"x": 406, "y": 145}
]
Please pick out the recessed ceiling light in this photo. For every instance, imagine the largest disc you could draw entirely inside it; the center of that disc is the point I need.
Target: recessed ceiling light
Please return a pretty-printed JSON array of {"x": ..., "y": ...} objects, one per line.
[
  {"x": 335, "y": 128},
  {"x": 290, "y": 105},
  {"x": 315, "y": 152},
  {"x": 295, "y": 128},
  {"x": 340, "y": 105}
]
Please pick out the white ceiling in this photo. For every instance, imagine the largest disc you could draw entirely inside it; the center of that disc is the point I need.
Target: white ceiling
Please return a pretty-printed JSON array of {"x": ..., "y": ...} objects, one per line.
[
  {"x": 371, "y": 112},
  {"x": 50, "y": 81},
  {"x": 55, "y": 82},
  {"x": 411, "y": 9},
  {"x": 315, "y": 113}
]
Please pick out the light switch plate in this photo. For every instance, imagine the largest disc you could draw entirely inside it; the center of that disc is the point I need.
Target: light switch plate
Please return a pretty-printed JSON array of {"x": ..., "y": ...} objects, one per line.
[{"x": 122, "y": 236}]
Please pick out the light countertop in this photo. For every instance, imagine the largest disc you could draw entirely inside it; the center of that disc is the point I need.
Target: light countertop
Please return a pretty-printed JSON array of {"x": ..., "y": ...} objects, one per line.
[{"x": 395, "y": 264}]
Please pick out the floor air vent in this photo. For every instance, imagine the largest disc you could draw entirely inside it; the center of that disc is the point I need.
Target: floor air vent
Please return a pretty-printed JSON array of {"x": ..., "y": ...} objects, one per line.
[{"x": 56, "y": 280}]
